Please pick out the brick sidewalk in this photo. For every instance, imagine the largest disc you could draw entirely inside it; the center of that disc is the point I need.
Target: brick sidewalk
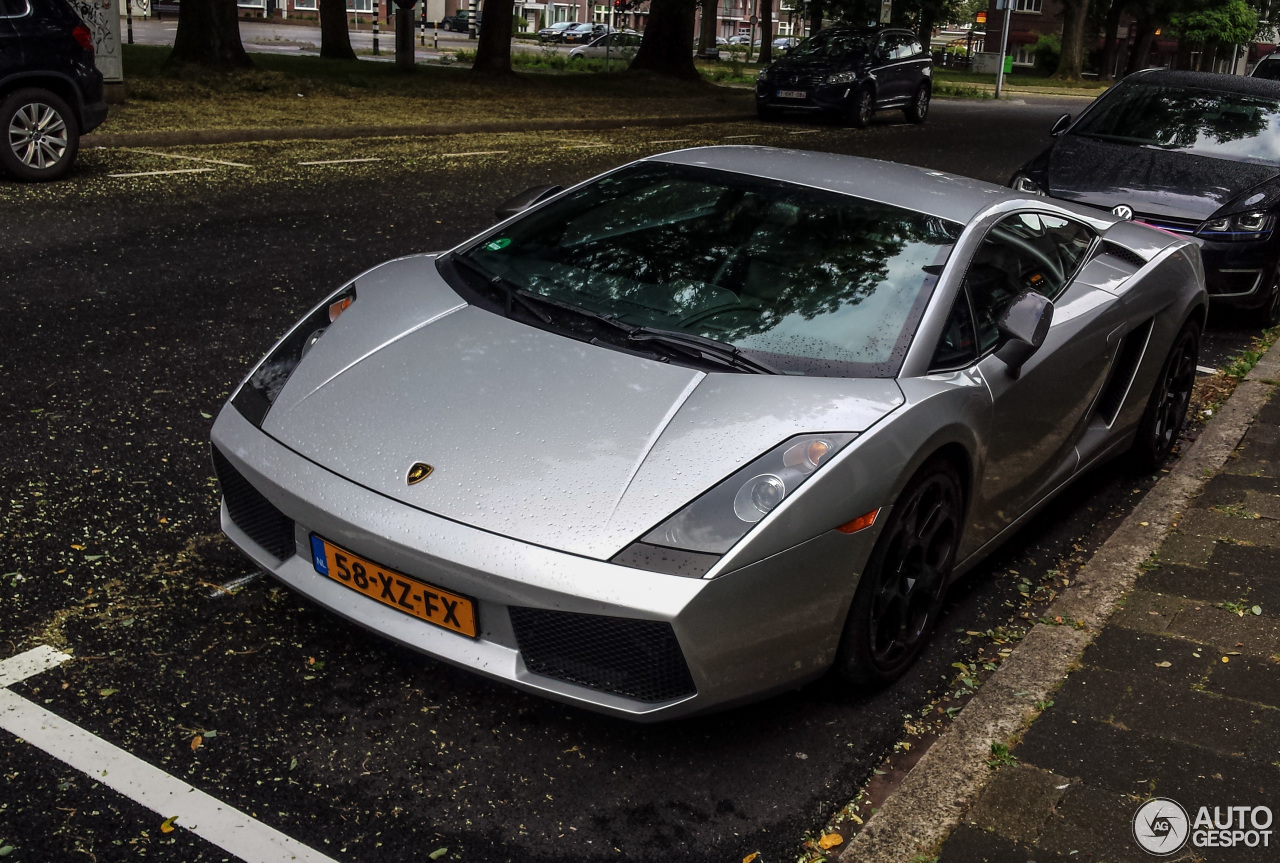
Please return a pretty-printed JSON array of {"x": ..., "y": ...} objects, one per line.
[{"x": 1179, "y": 696}]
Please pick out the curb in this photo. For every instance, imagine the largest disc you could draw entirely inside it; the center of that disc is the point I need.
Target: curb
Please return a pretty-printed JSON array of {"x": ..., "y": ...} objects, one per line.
[
  {"x": 946, "y": 780},
  {"x": 329, "y": 133}
]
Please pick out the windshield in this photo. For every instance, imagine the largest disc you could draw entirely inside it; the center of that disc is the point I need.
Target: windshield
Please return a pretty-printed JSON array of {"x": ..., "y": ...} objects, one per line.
[
  {"x": 810, "y": 281},
  {"x": 835, "y": 43},
  {"x": 1222, "y": 125}
]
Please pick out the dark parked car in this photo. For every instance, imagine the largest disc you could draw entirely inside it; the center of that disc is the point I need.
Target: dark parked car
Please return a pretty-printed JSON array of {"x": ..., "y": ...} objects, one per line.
[
  {"x": 554, "y": 32},
  {"x": 1193, "y": 153},
  {"x": 50, "y": 89},
  {"x": 1268, "y": 67},
  {"x": 461, "y": 22},
  {"x": 585, "y": 32},
  {"x": 850, "y": 73}
]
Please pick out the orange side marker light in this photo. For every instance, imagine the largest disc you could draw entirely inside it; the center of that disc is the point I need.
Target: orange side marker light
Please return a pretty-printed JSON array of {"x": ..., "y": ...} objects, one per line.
[{"x": 862, "y": 522}]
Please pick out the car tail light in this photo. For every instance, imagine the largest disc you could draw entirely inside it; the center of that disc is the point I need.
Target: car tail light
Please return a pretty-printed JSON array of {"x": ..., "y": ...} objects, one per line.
[{"x": 83, "y": 37}]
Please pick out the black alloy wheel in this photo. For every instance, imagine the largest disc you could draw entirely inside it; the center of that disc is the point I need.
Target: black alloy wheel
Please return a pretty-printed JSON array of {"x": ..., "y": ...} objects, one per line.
[
  {"x": 1166, "y": 409},
  {"x": 864, "y": 108},
  {"x": 918, "y": 108},
  {"x": 899, "y": 596}
]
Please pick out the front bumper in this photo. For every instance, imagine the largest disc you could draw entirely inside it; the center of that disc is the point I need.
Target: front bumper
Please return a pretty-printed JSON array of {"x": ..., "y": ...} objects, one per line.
[
  {"x": 768, "y": 626},
  {"x": 1243, "y": 274},
  {"x": 830, "y": 98}
]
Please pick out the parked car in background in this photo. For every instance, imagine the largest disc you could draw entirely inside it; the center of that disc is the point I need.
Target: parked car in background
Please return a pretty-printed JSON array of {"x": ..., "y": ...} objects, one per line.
[
  {"x": 50, "y": 89},
  {"x": 461, "y": 22},
  {"x": 783, "y": 43},
  {"x": 1268, "y": 67},
  {"x": 623, "y": 44},
  {"x": 850, "y": 73},
  {"x": 707, "y": 426},
  {"x": 555, "y": 31},
  {"x": 585, "y": 32},
  {"x": 740, "y": 39},
  {"x": 1193, "y": 153}
]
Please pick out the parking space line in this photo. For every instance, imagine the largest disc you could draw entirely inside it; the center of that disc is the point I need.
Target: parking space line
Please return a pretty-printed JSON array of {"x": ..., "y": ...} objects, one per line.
[
  {"x": 672, "y": 141},
  {"x": 227, "y": 827},
  {"x": 159, "y": 173},
  {"x": 581, "y": 146},
  {"x": 475, "y": 153},
  {"x": 737, "y": 137},
  {"x": 1205, "y": 370},
  {"x": 194, "y": 158},
  {"x": 805, "y": 132},
  {"x": 229, "y": 589},
  {"x": 341, "y": 161}
]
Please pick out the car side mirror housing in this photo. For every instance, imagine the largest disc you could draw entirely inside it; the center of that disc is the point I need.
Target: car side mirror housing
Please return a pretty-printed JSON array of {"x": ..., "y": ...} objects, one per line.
[
  {"x": 528, "y": 198},
  {"x": 1023, "y": 329},
  {"x": 1060, "y": 125}
]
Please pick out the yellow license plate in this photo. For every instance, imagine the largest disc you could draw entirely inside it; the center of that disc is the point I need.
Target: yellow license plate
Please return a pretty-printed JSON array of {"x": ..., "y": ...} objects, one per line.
[{"x": 423, "y": 601}]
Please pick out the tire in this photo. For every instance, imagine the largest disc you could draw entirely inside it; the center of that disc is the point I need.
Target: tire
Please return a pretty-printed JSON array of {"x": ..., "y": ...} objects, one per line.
[
  {"x": 446, "y": 26},
  {"x": 864, "y": 108},
  {"x": 1166, "y": 409},
  {"x": 899, "y": 596},
  {"x": 41, "y": 136},
  {"x": 918, "y": 108}
]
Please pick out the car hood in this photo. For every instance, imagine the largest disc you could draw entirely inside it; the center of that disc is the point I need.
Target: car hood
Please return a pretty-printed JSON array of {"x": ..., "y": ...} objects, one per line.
[
  {"x": 1148, "y": 179},
  {"x": 813, "y": 66},
  {"x": 531, "y": 434}
]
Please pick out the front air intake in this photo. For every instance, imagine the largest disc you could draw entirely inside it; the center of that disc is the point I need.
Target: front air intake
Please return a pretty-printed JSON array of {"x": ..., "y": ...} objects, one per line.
[
  {"x": 253, "y": 513},
  {"x": 638, "y": 659}
]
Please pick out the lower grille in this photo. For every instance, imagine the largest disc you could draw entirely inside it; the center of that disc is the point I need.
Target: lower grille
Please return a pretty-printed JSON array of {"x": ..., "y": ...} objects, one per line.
[
  {"x": 638, "y": 659},
  {"x": 253, "y": 513}
]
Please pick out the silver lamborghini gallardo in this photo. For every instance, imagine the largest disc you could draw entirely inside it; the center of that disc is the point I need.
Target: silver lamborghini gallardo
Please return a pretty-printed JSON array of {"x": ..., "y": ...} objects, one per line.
[{"x": 707, "y": 426}]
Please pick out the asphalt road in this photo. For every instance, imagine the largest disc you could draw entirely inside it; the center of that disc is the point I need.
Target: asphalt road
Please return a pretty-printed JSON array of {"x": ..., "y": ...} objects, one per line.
[{"x": 129, "y": 308}]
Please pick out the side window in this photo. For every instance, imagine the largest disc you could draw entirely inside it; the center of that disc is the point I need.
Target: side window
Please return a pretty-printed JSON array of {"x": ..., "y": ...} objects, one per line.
[
  {"x": 1025, "y": 251},
  {"x": 914, "y": 49},
  {"x": 13, "y": 8},
  {"x": 958, "y": 346}
]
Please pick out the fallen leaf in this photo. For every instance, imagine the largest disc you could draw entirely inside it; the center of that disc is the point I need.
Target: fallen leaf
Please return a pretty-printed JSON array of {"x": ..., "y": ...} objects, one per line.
[
  {"x": 1165, "y": 664},
  {"x": 107, "y": 691},
  {"x": 750, "y": 857},
  {"x": 166, "y": 826},
  {"x": 438, "y": 853},
  {"x": 196, "y": 742},
  {"x": 77, "y": 546},
  {"x": 1226, "y": 659},
  {"x": 210, "y": 734},
  {"x": 856, "y": 819},
  {"x": 1257, "y": 609},
  {"x": 830, "y": 840},
  {"x": 6, "y": 851}
]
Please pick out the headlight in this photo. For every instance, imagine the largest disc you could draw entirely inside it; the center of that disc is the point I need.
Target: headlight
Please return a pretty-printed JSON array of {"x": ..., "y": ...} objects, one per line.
[
  {"x": 1026, "y": 185},
  {"x": 259, "y": 391},
  {"x": 842, "y": 78},
  {"x": 762, "y": 75},
  {"x": 1241, "y": 226},
  {"x": 712, "y": 523}
]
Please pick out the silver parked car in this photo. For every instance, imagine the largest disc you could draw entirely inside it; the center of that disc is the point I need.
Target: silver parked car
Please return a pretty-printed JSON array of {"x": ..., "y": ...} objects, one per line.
[
  {"x": 706, "y": 426},
  {"x": 622, "y": 44}
]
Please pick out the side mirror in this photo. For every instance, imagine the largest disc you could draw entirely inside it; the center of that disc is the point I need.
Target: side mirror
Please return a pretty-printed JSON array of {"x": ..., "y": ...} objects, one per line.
[
  {"x": 1023, "y": 329},
  {"x": 526, "y": 199},
  {"x": 1060, "y": 125}
]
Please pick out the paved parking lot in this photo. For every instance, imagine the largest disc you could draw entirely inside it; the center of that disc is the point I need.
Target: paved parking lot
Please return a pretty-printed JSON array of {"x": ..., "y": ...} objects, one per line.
[{"x": 135, "y": 296}]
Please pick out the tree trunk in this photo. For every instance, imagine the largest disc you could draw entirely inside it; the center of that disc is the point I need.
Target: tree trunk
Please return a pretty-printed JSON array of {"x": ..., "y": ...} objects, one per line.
[
  {"x": 404, "y": 37},
  {"x": 707, "y": 29},
  {"x": 667, "y": 47},
  {"x": 208, "y": 35},
  {"x": 1075, "y": 14},
  {"x": 928, "y": 18},
  {"x": 766, "y": 32},
  {"x": 335, "y": 39},
  {"x": 1110, "y": 42},
  {"x": 815, "y": 16},
  {"x": 1145, "y": 33},
  {"x": 493, "y": 52}
]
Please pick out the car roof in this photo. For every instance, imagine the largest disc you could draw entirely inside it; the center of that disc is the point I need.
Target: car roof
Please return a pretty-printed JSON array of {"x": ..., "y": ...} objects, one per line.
[
  {"x": 937, "y": 193},
  {"x": 1209, "y": 81}
]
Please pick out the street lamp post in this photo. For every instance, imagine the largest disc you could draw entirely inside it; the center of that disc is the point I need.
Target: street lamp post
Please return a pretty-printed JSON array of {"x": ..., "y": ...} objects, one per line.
[{"x": 1004, "y": 41}]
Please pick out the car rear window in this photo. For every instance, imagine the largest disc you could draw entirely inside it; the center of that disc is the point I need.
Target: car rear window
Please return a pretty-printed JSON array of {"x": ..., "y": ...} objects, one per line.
[
  {"x": 13, "y": 8},
  {"x": 812, "y": 281},
  {"x": 1222, "y": 125}
]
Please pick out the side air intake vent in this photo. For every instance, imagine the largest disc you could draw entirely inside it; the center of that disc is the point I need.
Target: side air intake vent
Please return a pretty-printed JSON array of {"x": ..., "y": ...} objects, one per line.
[
  {"x": 637, "y": 659},
  {"x": 1129, "y": 256},
  {"x": 253, "y": 513},
  {"x": 1128, "y": 356}
]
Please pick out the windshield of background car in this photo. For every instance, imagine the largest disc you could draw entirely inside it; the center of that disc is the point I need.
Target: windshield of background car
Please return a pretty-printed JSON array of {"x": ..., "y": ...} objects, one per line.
[
  {"x": 833, "y": 44},
  {"x": 1221, "y": 125},
  {"x": 810, "y": 281}
]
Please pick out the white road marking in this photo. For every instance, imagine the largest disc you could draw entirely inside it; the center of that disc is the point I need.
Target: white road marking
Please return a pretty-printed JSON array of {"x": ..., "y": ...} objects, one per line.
[
  {"x": 194, "y": 158},
  {"x": 581, "y": 146},
  {"x": 805, "y": 132},
  {"x": 736, "y": 137},
  {"x": 340, "y": 161},
  {"x": 672, "y": 141},
  {"x": 227, "y": 827},
  {"x": 230, "y": 587},
  {"x": 475, "y": 153},
  {"x": 158, "y": 173},
  {"x": 1205, "y": 370}
]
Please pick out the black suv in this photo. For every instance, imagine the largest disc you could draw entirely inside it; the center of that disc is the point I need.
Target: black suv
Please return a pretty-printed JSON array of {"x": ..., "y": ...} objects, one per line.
[
  {"x": 850, "y": 73},
  {"x": 50, "y": 89}
]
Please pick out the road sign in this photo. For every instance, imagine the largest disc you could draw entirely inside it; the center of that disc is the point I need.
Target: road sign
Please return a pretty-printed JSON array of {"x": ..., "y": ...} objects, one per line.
[{"x": 886, "y": 11}]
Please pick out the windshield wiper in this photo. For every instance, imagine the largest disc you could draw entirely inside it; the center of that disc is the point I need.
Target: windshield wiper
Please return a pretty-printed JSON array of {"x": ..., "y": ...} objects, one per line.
[
  {"x": 510, "y": 290},
  {"x": 702, "y": 348}
]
